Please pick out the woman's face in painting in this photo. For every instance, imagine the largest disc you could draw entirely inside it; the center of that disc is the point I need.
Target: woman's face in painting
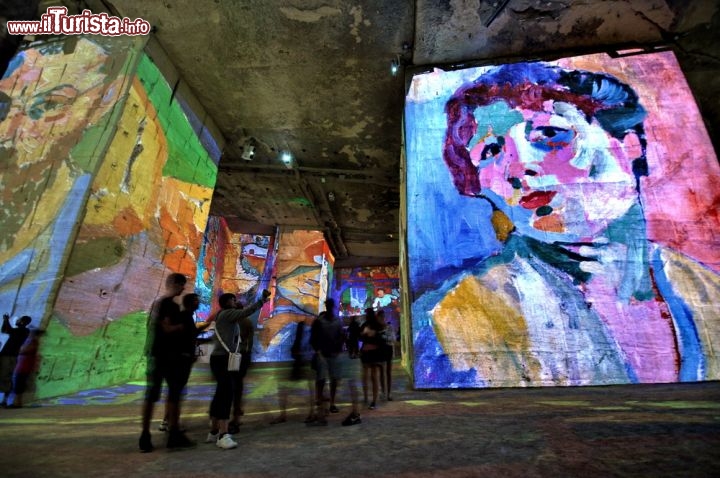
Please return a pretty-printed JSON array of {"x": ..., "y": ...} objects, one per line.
[
  {"x": 51, "y": 99},
  {"x": 559, "y": 176}
]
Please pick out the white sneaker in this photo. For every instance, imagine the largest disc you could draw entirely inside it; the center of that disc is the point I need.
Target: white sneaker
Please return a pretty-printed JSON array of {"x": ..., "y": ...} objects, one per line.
[
  {"x": 212, "y": 437},
  {"x": 163, "y": 427},
  {"x": 226, "y": 442}
]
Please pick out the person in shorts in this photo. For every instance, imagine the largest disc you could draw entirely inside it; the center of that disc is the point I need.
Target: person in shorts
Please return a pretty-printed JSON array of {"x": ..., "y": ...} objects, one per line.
[{"x": 327, "y": 337}]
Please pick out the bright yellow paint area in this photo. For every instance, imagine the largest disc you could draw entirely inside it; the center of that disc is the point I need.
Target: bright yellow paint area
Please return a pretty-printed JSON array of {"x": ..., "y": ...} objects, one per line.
[
  {"x": 479, "y": 327},
  {"x": 128, "y": 181}
]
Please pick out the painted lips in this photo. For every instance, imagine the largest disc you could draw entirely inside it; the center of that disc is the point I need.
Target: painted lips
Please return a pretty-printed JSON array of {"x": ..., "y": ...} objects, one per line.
[{"x": 537, "y": 199}]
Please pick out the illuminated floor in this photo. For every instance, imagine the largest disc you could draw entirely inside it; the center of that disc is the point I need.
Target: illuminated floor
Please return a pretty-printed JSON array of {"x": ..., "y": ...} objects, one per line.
[{"x": 644, "y": 431}]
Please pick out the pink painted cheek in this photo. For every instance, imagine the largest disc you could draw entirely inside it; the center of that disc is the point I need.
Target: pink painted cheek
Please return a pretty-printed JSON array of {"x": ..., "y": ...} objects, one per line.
[
  {"x": 513, "y": 167},
  {"x": 496, "y": 174},
  {"x": 558, "y": 163},
  {"x": 516, "y": 170},
  {"x": 492, "y": 177}
]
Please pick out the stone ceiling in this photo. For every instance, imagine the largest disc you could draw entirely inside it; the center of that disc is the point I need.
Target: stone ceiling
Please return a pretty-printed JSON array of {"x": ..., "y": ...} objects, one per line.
[{"x": 313, "y": 78}]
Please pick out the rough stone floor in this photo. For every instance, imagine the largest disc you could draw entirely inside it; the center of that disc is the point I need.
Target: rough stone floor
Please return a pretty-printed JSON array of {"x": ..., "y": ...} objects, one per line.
[{"x": 669, "y": 430}]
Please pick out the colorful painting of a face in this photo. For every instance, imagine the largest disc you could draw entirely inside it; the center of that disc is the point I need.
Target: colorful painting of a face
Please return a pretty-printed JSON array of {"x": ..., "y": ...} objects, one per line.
[
  {"x": 57, "y": 99},
  {"x": 552, "y": 166},
  {"x": 560, "y": 225},
  {"x": 540, "y": 152},
  {"x": 51, "y": 104}
]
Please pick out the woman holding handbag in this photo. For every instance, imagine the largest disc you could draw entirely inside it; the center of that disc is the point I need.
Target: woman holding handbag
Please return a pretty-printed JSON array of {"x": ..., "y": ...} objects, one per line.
[{"x": 233, "y": 334}]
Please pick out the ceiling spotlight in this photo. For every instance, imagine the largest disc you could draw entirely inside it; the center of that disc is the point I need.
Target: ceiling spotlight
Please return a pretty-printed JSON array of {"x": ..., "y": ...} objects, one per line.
[
  {"x": 395, "y": 66},
  {"x": 287, "y": 159}
]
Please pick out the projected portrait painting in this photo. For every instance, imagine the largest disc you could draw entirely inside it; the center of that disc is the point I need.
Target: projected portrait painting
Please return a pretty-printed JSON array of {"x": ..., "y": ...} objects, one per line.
[
  {"x": 145, "y": 217},
  {"x": 560, "y": 225},
  {"x": 56, "y": 105}
]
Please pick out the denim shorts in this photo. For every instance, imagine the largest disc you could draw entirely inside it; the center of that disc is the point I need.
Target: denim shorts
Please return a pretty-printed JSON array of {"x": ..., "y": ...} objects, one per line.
[{"x": 329, "y": 367}]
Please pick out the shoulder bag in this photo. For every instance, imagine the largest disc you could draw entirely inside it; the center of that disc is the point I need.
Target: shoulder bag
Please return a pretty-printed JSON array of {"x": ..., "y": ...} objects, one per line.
[{"x": 234, "y": 358}]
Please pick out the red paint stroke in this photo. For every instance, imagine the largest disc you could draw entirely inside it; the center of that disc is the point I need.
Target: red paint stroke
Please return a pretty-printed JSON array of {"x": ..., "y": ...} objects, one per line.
[{"x": 537, "y": 199}]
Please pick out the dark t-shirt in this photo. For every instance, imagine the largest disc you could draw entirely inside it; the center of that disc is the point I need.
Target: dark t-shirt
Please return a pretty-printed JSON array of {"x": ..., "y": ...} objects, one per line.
[
  {"x": 327, "y": 335},
  {"x": 186, "y": 338},
  {"x": 18, "y": 336},
  {"x": 162, "y": 344}
]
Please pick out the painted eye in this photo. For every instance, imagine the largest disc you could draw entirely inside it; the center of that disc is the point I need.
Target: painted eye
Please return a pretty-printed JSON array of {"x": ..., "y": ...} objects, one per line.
[
  {"x": 490, "y": 151},
  {"x": 49, "y": 101},
  {"x": 548, "y": 138},
  {"x": 493, "y": 147}
]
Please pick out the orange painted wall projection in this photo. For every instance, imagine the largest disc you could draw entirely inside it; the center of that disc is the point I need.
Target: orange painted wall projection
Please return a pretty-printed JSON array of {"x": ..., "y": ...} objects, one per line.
[{"x": 302, "y": 272}]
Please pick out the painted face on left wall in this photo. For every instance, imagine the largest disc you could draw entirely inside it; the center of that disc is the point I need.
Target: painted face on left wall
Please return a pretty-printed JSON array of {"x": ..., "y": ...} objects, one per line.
[{"x": 52, "y": 104}]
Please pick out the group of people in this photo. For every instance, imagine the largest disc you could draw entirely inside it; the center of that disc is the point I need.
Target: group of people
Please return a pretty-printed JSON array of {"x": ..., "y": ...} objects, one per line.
[
  {"x": 327, "y": 340},
  {"x": 170, "y": 350},
  {"x": 334, "y": 351},
  {"x": 172, "y": 334},
  {"x": 376, "y": 354}
]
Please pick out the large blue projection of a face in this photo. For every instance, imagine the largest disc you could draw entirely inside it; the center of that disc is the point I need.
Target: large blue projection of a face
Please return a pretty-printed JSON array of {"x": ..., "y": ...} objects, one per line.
[{"x": 530, "y": 258}]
